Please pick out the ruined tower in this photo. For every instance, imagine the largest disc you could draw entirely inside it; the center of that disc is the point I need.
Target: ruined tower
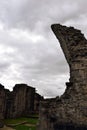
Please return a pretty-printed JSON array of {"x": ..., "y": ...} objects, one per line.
[
  {"x": 70, "y": 110},
  {"x": 74, "y": 46}
]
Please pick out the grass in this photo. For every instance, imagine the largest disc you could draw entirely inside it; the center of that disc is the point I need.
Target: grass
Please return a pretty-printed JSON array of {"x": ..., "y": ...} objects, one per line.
[
  {"x": 19, "y": 120},
  {"x": 23, "y": 127},
  {"x": 35, "y": 115},
  {"x": 31, "y": 120}
]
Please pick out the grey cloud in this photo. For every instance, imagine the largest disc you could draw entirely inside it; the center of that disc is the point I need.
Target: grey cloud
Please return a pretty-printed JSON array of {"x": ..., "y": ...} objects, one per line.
[
  {"x": 3, "y": 67},
  {"x": 39, "y": 63},
  {"x": 29, "y": 14}
]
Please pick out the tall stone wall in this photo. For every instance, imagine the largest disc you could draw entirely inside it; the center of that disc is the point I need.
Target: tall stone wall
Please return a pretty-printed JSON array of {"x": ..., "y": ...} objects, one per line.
[
  {"x": 70, "y": 110},
  {"x": 74, "y": 46},
  {"x": 2, "y": 102},
  {"x": 9, "y": 104},
  {"x": 20, "y": 102},
  {"x": 38, "y": 99}
]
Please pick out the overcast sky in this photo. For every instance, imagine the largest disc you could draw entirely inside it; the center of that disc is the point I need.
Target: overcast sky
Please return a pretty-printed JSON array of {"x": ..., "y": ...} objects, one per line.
[{"x": 29, "y": 51}]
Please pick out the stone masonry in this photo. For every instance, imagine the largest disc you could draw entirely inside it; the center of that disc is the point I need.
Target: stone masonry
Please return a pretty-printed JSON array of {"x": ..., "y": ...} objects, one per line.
[
  {"x": 9, "y": 104},
  {"x": 2, "y": 101},
  {"x": 37, "y": 100},
  {"x": 18, "y": 103},
  {"x": 23, "y": 100},
  {"x": 70, "y": 110}
]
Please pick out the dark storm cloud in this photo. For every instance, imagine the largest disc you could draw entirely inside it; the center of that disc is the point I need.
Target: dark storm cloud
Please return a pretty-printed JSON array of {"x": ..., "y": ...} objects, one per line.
[{"x": 29, "y": 50}]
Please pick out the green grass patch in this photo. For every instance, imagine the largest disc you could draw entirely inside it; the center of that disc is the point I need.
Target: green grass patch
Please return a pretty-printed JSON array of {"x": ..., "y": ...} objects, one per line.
[
  {"x": 30, "y": 120},
  {"x": 19, "y": 120},
  {"x": 23, "y": 127},
  {"x": 35, "y": 115}
]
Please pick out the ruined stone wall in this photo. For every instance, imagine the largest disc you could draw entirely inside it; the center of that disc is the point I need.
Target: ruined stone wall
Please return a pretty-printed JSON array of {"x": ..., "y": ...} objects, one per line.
[
  {"x": 19, "y": 93},
  {"x": 19, "y": 102},
  {"x": 70, "y": 110},
  {"x": 37, "y": 100},
  {"x": 9, "y": 104},
  {"x": 76, "y": 55},
  {"x": 2, "y": 101},
  {"x": 29, "y": 104}
]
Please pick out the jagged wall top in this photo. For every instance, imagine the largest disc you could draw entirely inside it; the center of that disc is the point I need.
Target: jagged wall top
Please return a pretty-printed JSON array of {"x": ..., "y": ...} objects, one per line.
[{"x": 71, "y": 40}]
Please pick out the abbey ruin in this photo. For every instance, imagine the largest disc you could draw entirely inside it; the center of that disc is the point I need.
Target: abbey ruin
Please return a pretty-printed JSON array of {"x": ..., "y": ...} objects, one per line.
[
  {"x": 68, "y": 112},
  {"x": 22, "y": 101}
]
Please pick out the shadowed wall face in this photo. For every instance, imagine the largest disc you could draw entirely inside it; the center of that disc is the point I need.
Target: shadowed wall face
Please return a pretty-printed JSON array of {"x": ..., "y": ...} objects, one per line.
[
  {"x": 22, "y": 101},
  {"x": 2, "y": 101}
]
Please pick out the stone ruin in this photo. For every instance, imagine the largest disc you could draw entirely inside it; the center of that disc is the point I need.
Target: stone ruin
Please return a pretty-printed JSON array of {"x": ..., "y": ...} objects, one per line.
[
  {"x": 22, "y": 101},
  {"x": 2, "y": 102},
  {"x": 68, "y": 112}
]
